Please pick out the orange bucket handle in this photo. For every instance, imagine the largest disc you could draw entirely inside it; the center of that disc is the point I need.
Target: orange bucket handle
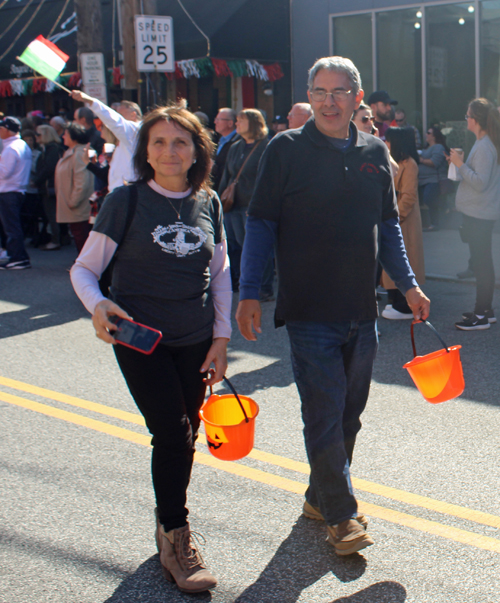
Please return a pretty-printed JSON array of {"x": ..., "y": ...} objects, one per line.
[
  {"x": 414, "y": 322},
  {"x": 231, "y": 387}
]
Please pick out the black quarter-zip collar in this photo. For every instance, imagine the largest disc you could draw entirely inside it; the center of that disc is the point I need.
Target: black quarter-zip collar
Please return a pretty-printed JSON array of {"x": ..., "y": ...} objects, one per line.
[{"x": 359, "y": 138}]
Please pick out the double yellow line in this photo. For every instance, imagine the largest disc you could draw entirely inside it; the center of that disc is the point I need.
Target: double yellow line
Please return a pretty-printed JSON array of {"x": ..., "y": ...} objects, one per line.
[{"x": 403, "y": 519}]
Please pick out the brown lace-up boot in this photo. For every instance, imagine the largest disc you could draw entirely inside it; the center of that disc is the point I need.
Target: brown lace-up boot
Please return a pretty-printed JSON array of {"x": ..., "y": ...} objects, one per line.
[{"x": 181, "y": 561}]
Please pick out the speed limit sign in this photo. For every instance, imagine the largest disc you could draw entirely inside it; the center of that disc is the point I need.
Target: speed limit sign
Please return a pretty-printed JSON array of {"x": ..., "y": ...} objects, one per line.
[{"x": 154, "y": 43}]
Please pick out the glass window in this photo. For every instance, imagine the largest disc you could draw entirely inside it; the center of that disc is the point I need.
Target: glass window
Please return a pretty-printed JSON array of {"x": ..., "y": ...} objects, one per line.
[
  {"x": 490, "y": 50},
  {"x": 399, "y": 52},
  {"x": 352, "y": 38},
  {"x": 450, "y": 62}
]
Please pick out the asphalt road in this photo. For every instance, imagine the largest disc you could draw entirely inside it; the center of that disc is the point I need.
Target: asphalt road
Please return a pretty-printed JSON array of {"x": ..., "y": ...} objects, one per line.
[{"x": 77, "y": 503}]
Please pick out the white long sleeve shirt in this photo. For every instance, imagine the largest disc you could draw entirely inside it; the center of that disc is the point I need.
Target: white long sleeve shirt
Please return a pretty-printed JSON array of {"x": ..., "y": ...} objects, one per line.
[
  {"x": 121, "y": 169},
  {"x": 15, "y": 165},
  {"x": 99, "y": 250}
]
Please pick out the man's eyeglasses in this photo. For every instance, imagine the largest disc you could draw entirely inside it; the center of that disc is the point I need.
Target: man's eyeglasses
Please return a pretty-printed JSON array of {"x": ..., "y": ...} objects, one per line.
[
  {"x": 222, "y": 119},
  {"x": 468, "y": 117},
  {"x": 365, "y": 119},
  {"x": 338, "y": 95}
]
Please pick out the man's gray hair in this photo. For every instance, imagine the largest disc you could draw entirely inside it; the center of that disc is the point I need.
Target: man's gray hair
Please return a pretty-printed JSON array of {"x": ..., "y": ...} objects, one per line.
[
  {"x": 230, "y": 112},
  {"x": 339, "y": 65}
]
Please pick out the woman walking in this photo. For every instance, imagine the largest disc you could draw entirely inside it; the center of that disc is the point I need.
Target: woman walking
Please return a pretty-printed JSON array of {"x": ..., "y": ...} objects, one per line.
[
  {"x": 478, "y": 198},
  {"x": 171, "y": 273},
  {"x": 401, "y": 144},
  {"x": 245, "y": 155},
  {"x": 74, "y": 184}
]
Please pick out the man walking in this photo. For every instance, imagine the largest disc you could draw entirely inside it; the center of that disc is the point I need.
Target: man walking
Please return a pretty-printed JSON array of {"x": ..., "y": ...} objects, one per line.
[
  {"x": 327, "y": 190},
  {"x": 225, "y": 126},
  {"x": 15, "y": 167},
  {"x": 124, "y": 124}
]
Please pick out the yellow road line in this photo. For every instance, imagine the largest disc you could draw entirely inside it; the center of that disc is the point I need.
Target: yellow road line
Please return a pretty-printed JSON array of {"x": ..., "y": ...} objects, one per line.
[
  {"x": 423, "y": 525},
  {"x": 71, "y": 417},
  {"x": 130, "y": 417},
  {"x": 267, "y": 457}
]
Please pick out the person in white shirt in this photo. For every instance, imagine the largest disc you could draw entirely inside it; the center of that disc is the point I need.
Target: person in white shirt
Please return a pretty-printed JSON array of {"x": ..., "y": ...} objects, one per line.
[
  {"x": 125, "y": 125},
  {"x": 15, "y": 167}
]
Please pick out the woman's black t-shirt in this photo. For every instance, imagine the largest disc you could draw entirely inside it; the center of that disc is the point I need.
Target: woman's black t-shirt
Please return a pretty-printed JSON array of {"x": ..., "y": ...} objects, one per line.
[{"x": 161, "y": 276}]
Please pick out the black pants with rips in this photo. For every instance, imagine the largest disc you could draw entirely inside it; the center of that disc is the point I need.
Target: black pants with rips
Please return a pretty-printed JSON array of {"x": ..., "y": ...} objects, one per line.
[
  {"x": 168, "y": 388},
  {"x": 479, "y": 235}
]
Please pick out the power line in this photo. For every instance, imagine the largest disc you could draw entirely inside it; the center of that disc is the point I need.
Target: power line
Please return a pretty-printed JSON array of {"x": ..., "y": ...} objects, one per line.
[
  {"x": 23, "y": 30},
  {"x": 16, "y": 19},
  {"x": 197, "y": 27},
  {"x": 58, "y": 18}
]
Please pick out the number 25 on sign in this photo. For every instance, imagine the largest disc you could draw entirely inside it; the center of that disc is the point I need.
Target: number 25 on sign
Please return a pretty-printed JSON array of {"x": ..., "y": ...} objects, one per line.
[{"x": 154, "y": 43}]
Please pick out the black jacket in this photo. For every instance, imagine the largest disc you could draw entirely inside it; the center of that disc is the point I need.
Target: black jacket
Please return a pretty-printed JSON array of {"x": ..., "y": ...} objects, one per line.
[
  {"x": 46, "y": 167},
  {"x": 95, "y": 139},
  {"x": 238, "y": 152},
  {"x": 220, "y": 163}
]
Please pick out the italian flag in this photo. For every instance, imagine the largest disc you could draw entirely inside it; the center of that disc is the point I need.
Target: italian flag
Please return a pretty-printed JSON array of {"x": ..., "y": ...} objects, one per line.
[{"x": 45, "y": 58}]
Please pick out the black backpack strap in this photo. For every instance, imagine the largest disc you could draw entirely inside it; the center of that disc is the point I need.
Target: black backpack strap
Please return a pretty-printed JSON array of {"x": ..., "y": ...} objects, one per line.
[
  {"x": 106, "y": 276},
  {"x": 131, "y": 207}
]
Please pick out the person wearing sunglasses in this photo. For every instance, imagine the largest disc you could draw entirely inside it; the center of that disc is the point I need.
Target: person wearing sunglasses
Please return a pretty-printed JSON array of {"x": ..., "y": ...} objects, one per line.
[{"x": 363, "y": 118}]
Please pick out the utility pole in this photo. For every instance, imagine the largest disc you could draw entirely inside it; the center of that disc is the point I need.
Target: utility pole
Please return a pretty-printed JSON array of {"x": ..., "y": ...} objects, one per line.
[
  {"x": 128, "y": 9},
  {"x": 89, "y": 19}
]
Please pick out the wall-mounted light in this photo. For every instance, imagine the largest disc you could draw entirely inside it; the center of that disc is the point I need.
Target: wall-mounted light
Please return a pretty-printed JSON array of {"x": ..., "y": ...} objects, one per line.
[
  {"x": 461, "y": 20},
  {"x": 417, "y": 25},
  {"x": 267, "y": 89},
  {"x": 471, "y": 9},
  {"x": 419, "y": 14}
]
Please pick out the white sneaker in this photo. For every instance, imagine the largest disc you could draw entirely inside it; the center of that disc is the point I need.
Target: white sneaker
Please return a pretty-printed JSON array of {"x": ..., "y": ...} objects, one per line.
[
  {"x": 391, "y": 314},
  {"x": 3, "y": 255}
]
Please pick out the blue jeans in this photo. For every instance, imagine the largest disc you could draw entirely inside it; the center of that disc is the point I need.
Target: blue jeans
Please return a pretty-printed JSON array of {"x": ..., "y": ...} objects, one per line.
[
  {"x": 10, "y": 215},
  {"x": 235, "y": 221},
  {"x": 332, "y": 364}
]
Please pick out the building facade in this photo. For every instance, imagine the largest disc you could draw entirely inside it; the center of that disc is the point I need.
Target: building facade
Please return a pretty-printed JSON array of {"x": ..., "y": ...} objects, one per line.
[{"x": 432, "y": 56}]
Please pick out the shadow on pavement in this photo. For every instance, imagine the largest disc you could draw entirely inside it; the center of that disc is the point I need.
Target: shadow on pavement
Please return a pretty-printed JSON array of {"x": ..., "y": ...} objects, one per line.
[
  {"x": 48, "y": 550},
  {"x": 148, "y": 584},
  {"x": 38, "y": 317},
  {"x": 382, "y": 592},
  {"x": 302, "y": 559}
]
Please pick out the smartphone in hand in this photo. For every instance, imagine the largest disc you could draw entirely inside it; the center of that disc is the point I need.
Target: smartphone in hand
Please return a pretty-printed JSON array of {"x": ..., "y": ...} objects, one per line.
[{"x": 134, "y": 335}]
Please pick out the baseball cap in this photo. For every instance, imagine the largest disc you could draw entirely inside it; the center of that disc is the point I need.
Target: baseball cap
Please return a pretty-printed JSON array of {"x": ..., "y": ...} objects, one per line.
[
  {"x": 381, "y": 96},
  {"x": 11, "y": 123}
]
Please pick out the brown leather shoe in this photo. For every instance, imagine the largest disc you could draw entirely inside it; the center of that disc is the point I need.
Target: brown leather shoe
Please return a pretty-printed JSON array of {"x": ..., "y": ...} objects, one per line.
[
  {"x": 348, "y": 537},
  {"x": 181, "y": 561},
  {"x": 314, "y": 513}
]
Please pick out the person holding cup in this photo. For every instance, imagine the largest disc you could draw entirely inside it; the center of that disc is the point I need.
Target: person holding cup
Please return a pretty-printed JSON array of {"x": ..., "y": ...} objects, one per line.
[{"x": 478, "y": 198}]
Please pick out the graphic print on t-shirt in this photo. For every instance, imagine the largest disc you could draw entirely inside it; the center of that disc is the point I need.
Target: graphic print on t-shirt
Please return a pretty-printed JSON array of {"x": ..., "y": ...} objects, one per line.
[{"x": 186, "y": 240}]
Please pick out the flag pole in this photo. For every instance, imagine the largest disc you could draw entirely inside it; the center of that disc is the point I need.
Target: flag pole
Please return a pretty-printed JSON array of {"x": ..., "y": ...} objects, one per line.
[{"x": 48, "y": 78}]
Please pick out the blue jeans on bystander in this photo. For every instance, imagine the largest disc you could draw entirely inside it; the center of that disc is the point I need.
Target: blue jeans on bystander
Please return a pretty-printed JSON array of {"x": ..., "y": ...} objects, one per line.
[
  {"x": 332, "y": 364},
  {"x": 10, "y": 216}
]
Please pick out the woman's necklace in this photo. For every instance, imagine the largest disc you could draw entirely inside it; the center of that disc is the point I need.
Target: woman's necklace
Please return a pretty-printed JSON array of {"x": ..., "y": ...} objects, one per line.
[{"x": 173, "y": 207}]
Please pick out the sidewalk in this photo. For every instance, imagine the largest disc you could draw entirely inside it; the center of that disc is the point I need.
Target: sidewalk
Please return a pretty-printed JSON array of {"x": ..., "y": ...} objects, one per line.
[{"x": 445, "y": 255}]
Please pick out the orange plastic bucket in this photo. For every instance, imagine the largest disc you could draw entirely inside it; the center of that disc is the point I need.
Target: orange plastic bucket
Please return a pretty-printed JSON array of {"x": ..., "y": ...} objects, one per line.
[
  {"x": 229, "y": 424},
  {"x": 438, "y": 376}
]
